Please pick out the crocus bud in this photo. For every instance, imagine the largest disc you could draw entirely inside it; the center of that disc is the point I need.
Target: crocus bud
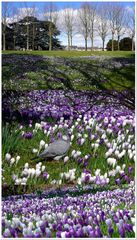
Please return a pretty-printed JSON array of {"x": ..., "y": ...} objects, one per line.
[
  {"x": 42, "y": 143},
  {"x": 66, "y": 159},
  {"x": 7, "y": 156}
]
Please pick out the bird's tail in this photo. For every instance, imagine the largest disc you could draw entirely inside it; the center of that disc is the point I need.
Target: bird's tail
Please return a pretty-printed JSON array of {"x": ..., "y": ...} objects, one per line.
[{"x": 34, "y": 157}]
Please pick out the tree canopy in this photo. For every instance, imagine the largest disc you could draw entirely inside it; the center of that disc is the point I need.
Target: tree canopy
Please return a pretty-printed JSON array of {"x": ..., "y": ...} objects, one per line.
[
  {"x": 125, "y": 44},
  {"x": 30, "y": 29}
]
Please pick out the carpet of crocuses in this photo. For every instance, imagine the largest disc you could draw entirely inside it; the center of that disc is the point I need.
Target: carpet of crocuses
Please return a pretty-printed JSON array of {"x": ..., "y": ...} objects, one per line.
[{"x": 90, "y": 192}]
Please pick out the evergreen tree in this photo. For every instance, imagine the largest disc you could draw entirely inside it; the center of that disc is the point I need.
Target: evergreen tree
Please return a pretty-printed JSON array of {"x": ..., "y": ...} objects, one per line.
[
  {"x": 33, "y": 32},
  {"x": 126, "y": 44},
  {"x": 109, "y": 45}
]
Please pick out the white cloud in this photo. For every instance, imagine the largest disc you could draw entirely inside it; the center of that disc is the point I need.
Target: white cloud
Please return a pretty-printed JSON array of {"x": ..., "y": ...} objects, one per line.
[
  {"x": 129, "y": 9},
  {"x": 78, "y": 38}
]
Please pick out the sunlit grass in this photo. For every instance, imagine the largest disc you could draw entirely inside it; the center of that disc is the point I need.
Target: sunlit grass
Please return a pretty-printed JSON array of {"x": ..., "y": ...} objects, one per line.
[{"x": 75, "y": 53}]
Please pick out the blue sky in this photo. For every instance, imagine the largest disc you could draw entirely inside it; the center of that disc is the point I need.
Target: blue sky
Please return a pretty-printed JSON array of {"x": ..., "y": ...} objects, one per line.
[
  {"x": 77, "y": 40},
  {"x": 61, "y": 5}
]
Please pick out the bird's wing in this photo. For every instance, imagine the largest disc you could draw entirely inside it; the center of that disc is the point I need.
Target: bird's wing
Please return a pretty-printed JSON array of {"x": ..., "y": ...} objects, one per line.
[{"x": 57, "y": 148}]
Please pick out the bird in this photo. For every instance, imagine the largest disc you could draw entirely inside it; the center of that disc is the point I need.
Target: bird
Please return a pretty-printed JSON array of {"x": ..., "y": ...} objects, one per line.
[{"x": 56, "y": 150}]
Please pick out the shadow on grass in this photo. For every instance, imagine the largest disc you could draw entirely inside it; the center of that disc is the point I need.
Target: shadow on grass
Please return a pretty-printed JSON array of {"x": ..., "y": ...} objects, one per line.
[{"x": 120, "y": 74}]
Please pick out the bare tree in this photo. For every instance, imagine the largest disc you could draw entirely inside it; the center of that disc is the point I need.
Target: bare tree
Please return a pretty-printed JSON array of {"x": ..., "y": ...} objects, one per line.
[
  {"x": 51, "y": 15},
  {"x": 112, "y": 15},
  {"x": 14, "y": 20},
  {"x": 69, "y": 25},
  {"x": 131, "y": 26},
  {"x": 120, "y": 21},
  {"x": 103, "y": 27},
  {"x": 34, "y": 12},
  {"x": 84, "y": 21},
  {"x": 5, "y": 15},
  {"x": 92, "y": 20}
]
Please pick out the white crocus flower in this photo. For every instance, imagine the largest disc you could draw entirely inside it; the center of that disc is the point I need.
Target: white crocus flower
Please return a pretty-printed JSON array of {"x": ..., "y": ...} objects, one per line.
[
  {"x": 18, "y": 181},
  {"x": 110, "y": 151},
  {"x": 12, "y": 161},
  {"x": 118, "y": 168},
  {"x": 60, "y": 182},
  {"x": 46, "y": 145},
  {"x": 79, "y": 181},
  {"x": 66, "y": 159},
  {"x": 73, "y": 152},
  {"x": 42, "y": 144},
  {"x": 134, "y": 229},
  {"x": 38, "y": 126},
  {"x": 17, "y": 159},
  {"x": 43, "y": 168},
  {"x": 82, "y": 141},
  {"x": 7, "y": 156},
  {"x": 34, "y": 131},
  {"x": 78, "y": 153},
  {"x": 38, "y": 172},
  {"x": 67, "y": 175},
  {"x": 26, "y": 165},
  {"x": 111, "y": 161},
  {"x": 97, "y": 172},
  {"x": 72, "y": 137},
  {"x": 32, "y": 173},
  {"x": 61, "y": 175},
  {"x": 34, "y": 150},
  {"x": 123, "y": 166}
]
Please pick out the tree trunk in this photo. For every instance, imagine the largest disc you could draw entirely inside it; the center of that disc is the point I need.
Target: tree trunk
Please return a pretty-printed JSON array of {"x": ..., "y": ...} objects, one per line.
[
  {"x": 92, "y": 44},
  {"x": 132, "y": 43},
  {"x": 71, "y": 41},
  {"x": 68, "y": 41},
  {"x": 85, "y": 43},
  {"x": 103, "y": 44},
  {"x": 14, "y": 42},
  {"x": 112, "y": 49},
  {"x": 118, "y": 40},
  {"x": 50, "y": 37},
  {"x": 27, "y": 37},
  {"x": 4, "y": 41},
  {"x": 33, "y": 37}
]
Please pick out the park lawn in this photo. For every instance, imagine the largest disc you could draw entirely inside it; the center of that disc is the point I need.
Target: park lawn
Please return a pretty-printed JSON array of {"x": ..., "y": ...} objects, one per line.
[
  {"x": 34, "y": 72},
  {"x": 74, "y": 53}
]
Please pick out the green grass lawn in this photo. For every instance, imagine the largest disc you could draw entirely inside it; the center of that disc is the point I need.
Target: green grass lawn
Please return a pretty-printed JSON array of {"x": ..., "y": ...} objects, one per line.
[
  {"x": 25, "y": 71},
  {"x": 74, "y": 53}
]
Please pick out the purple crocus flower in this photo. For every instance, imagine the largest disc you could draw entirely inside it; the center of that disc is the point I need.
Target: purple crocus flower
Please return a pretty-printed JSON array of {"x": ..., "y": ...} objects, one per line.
[
  {"x": 122, "y": 175},
  {"x": 127, "y": 179},
  {"x": 28, "y": 135},
  {"x": 130, "y": 169},
  {"x": 80, "y": 160},
  {"x": 58, "y": 234},
  {"x": 117, "y": 181},
  {"x": 45, "y": 175},
  {"x": 122, "y": 232},
  {"x": 110, "y": 231},
  {"x": 87, "y": 178},
  {"x": 87, "y": 171}
]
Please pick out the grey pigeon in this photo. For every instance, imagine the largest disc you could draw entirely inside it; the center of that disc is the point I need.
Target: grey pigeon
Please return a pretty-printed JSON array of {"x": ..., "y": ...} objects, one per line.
[{"x": 55, "y": 150}]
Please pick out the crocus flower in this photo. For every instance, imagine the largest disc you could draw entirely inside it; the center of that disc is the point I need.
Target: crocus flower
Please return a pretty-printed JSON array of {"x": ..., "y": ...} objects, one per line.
[
  {"x": 28, "y": 135},
  {"x": 7, "y": 156}
]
